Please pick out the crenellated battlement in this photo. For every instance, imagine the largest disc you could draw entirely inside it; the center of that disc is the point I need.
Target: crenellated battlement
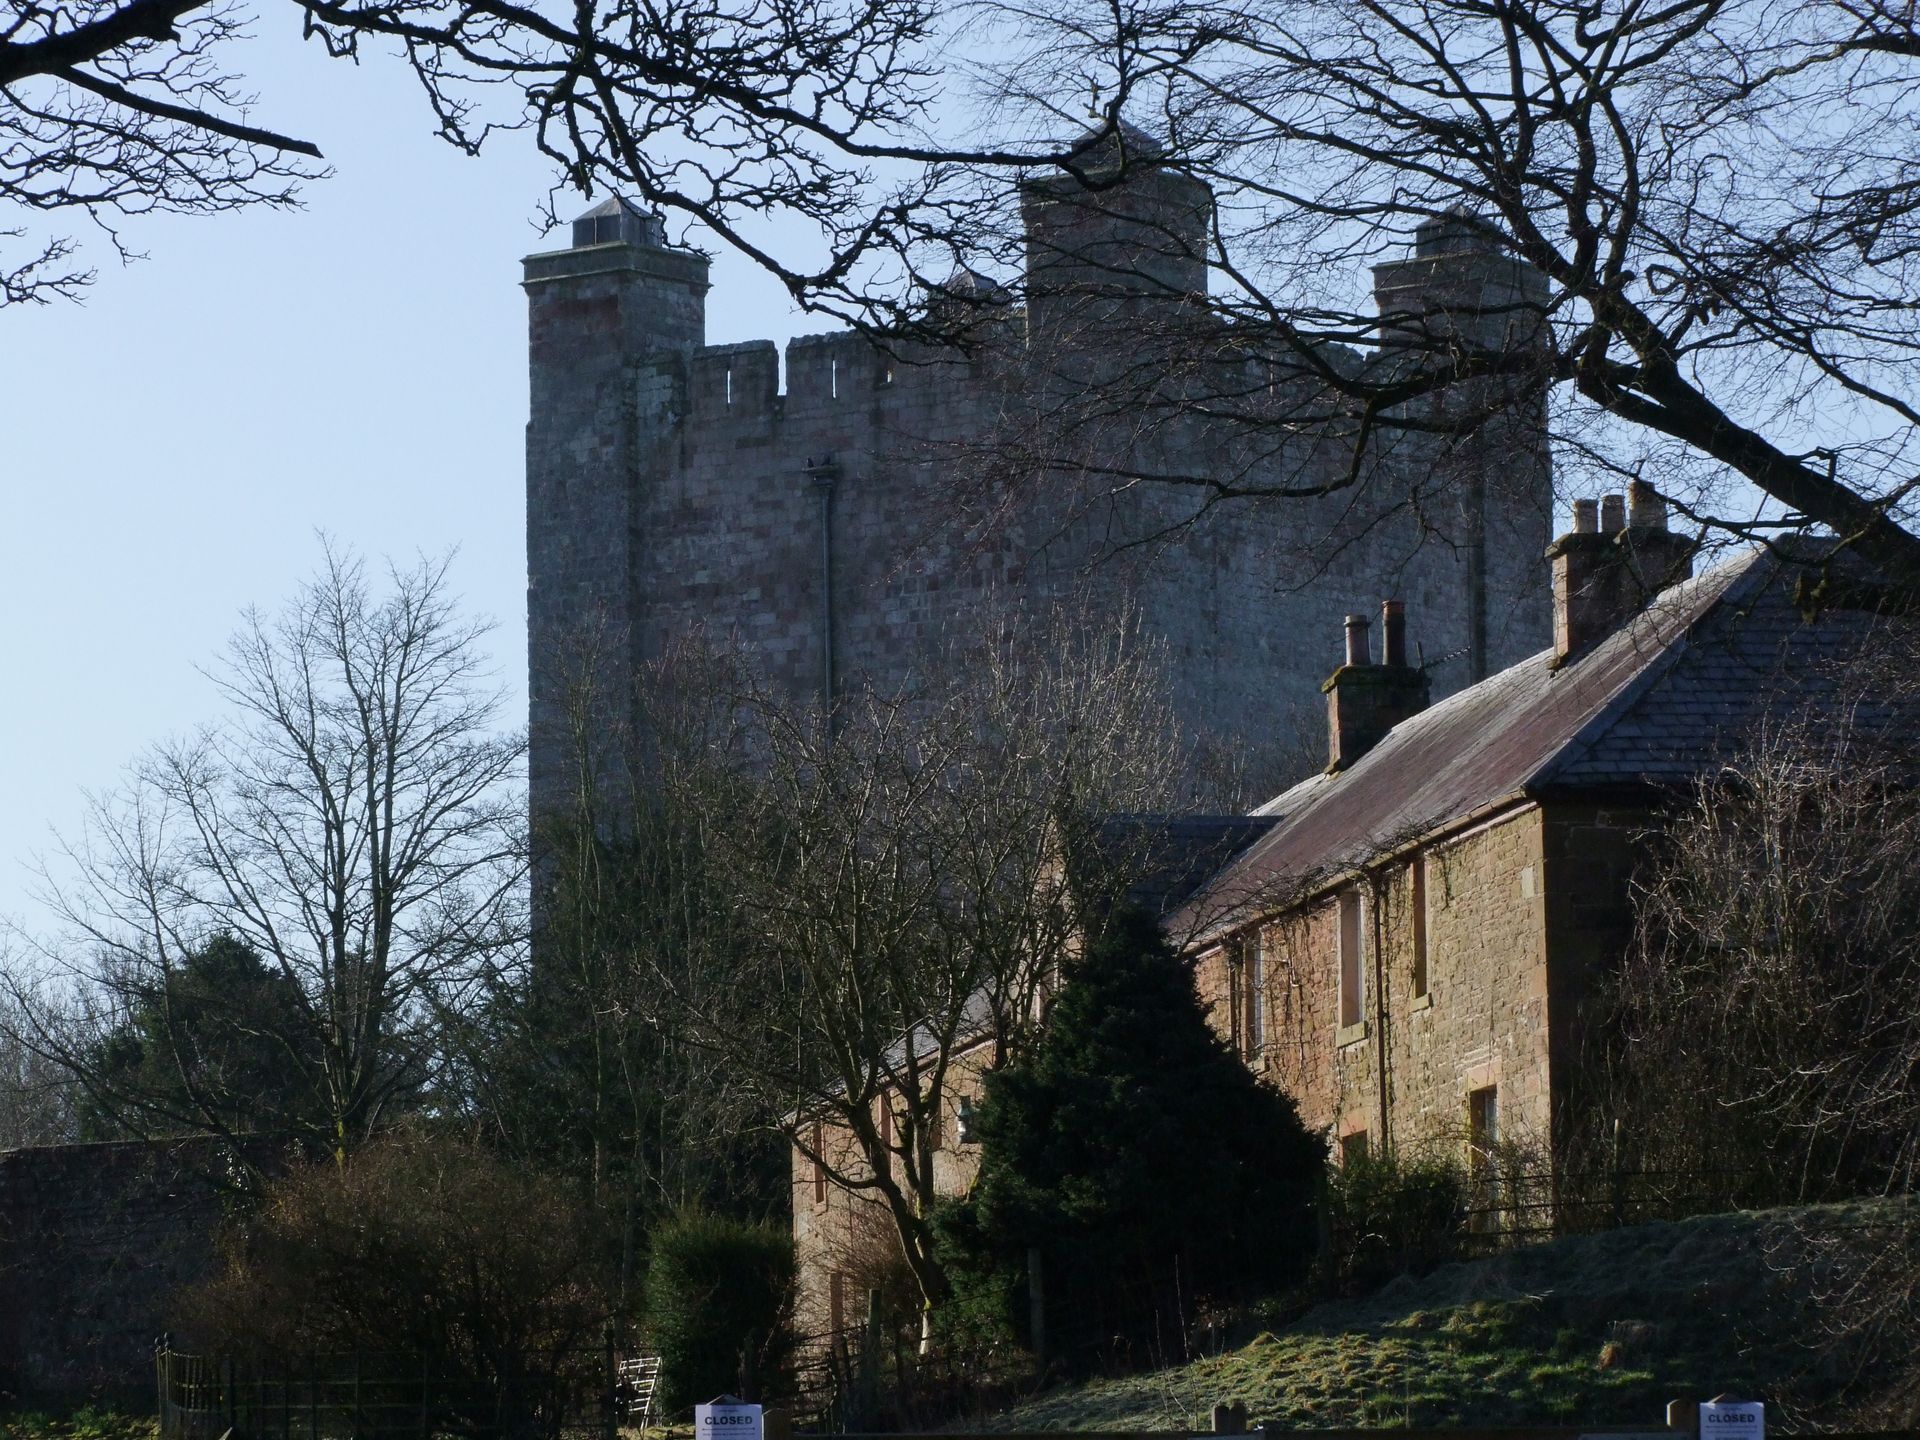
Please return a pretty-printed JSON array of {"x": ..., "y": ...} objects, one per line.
[
  {"x": 740, "y": 380},
  {"x": 807, "y": 506},
  {"x": 743, "y": 381}
]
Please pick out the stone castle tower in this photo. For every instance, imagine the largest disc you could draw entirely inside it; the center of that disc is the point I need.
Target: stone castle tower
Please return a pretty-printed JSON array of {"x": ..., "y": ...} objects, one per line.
[{"x": 673, "y": 484}]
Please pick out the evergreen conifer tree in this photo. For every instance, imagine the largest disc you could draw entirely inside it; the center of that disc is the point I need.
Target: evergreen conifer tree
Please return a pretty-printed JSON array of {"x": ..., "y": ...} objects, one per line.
[{"x": 1135, "y": 1153}]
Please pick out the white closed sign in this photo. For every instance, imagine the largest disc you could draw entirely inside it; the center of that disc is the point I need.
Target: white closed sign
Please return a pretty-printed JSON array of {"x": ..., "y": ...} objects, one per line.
[
  {"x": 735, "y": 1421},
  {"x": 1733, "y": 1420}
]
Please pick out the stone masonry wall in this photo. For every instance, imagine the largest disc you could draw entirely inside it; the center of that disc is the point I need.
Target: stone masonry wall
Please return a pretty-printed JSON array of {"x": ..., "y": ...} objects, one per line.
[
  {"x": 841, "y": 1232},
  {"x": 1483, "y": 1021},
  {"x": 1590, "y": 848},
  {"x": 811, "y": 519},
  {"x": 94, "y": 1242},
  {"x": 813, "y": 509},
  {"x": 1522, "y": 913},
  {"x": 610, "y": 328}
]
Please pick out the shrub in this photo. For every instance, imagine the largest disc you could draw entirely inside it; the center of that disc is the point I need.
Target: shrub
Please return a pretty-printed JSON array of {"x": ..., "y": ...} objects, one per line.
[
  {"x": 420, "y": 1245},
  {"x": 1387, "y": 1214},
  {"x": 719, "y": 1294}
]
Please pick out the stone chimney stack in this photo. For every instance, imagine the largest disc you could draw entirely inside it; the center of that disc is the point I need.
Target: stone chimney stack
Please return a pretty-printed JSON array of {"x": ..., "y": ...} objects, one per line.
[
  {"x": 1655, "y": 556},
  {"x": 1365, "y": 700},
  {"x": 1610, "y": 565}
]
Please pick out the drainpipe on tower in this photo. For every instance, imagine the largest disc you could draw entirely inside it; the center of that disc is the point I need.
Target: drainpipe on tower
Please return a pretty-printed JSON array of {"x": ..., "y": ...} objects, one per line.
[{"x": 823, "y": 473}]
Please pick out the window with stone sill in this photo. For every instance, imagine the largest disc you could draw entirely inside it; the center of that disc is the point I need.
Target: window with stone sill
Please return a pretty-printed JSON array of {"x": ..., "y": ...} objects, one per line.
[
  {"x": 819, "y": 1166},
  {"x": 1353, "y": 1148},
  {"x": 1255, "y": 969},
  {"x": 1417, "y": 922},
  {"x": 1352, "y": 958},
  {"x": 1483, "y": 1129},
  {"x": 1483, "y": 1136},
  {"x": 1235, "y": 990},
  {"x": 886, "y": 1120}
]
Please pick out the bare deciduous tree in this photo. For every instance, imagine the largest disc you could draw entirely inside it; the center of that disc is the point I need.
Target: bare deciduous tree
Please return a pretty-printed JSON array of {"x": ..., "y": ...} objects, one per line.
[
  {"x": 1697, "y": 223},
  {"x": 36, "y": 1094},
  {"x": 581, "y": 1061},
  {"x": 896, "y": 883},
  {"x": 355, "y": 822},
  {"x": 1771, "y": 1004},
  {"x": 720, "y": 111}
]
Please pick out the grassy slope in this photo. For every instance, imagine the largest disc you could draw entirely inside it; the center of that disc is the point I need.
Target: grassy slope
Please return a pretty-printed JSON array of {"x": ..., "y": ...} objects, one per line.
[
  {"x": 1600, "y": 1330},
  {"x": 87, "y": 1423}
]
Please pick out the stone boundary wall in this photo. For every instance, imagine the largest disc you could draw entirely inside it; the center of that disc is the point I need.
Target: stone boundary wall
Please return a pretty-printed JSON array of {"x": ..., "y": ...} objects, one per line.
[{"x": 95, "y": 1240}]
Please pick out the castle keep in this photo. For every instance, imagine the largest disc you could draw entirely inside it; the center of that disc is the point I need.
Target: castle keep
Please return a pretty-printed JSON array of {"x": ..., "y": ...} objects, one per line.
[{"x": 821, "y": 509}]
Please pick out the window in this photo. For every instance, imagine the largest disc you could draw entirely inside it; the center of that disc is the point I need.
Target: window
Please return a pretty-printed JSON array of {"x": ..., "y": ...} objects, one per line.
[
  {"x": 1417, "y": 918},
  {"x": 966, "y": 1120},
  {"x": 1234, "y": 958},
  {"x": 1483, "y": 1128},
  {"x": 1256, "y": 1007},
  {"x": 1352, "y": 959},
  {"x": 819, "y": 1165},
  {"x": 1483, "y": 1133},
  {"x": 1353, "y": 1148},
  {"x": 836, "y": 1302},
  {"x": 936, "y": 1126}
]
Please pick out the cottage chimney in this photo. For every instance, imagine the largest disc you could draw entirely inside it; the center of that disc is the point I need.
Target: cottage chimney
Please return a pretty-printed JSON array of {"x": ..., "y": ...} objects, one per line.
[
  {"x": 1655, "y": 556},
  {"x": 1364, "y": 700},
  {"x": 1609, "y": 566}
]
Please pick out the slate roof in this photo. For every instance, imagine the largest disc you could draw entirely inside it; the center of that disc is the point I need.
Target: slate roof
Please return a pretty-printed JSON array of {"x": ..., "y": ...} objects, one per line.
[
  {"x": 1657, "y": 703},
  {"x": 1174, "y": 855}
]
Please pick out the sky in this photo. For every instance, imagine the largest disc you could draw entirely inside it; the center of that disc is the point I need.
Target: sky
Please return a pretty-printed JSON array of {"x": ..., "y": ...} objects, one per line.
[{"x": 171, "y": 448}]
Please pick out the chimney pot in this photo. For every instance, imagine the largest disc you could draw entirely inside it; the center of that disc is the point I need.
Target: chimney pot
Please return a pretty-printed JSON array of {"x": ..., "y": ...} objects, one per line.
[
  {"x": 1586, "y": 517},
  {"x": 1359, "y": 652},
  {"x": 1613, "y": 514},
  {"x": 1393, "y": 633},
  {"x": 1645, "y": 509}
]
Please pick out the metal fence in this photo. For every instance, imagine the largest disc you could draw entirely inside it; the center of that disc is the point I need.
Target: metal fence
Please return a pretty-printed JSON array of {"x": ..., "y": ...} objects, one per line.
[
  {"x": 910, "y": 1371},
  {"x": 1509, "y": 1206},
  {"x": 380, "y": 1396},
  {"x": 884, "y": 1375}
]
